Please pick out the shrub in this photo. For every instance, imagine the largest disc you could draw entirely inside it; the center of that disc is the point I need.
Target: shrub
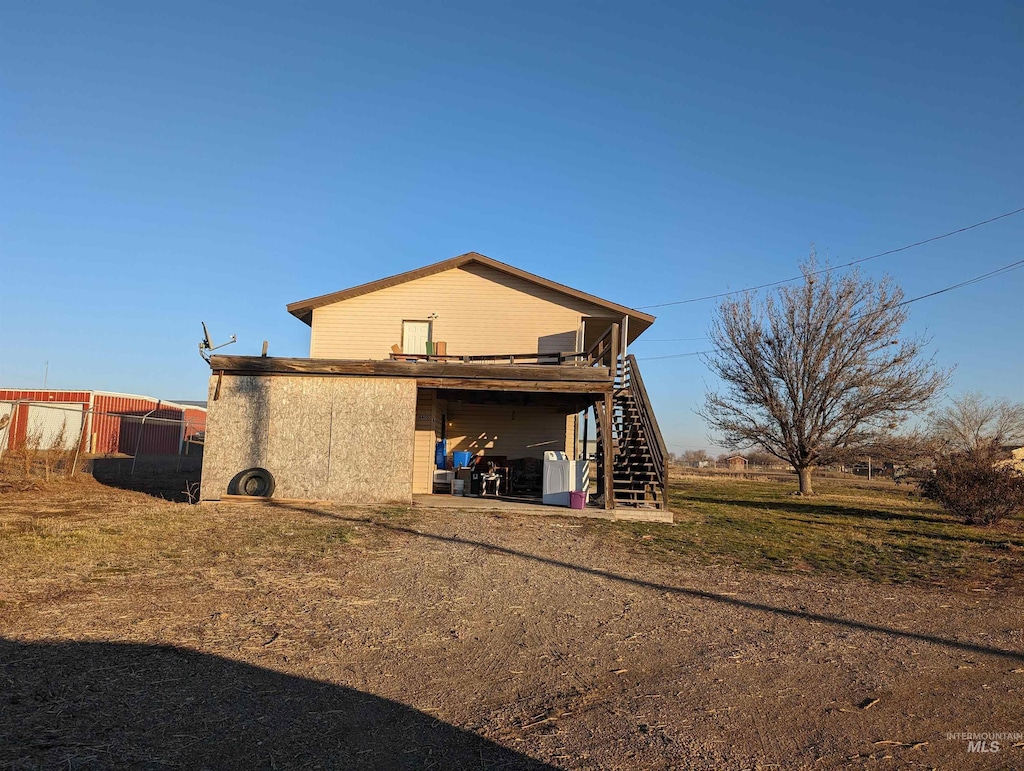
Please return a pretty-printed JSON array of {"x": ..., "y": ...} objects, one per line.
[{"x": 976, "y": 486}]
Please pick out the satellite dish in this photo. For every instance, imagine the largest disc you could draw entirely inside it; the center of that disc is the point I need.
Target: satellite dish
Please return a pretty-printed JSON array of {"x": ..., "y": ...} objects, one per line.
[{"x": 206, "y": 344}]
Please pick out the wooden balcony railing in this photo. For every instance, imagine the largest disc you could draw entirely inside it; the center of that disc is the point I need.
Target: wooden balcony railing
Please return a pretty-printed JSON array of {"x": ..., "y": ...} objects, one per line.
[
  {"x": 570, "y": 358},
  {"x": 603, "y": 353}
]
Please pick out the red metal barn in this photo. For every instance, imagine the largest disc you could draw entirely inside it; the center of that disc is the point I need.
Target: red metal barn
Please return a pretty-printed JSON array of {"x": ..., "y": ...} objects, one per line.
[
  {"x": 128, "y": 424},
  {"x": 46, "y": 416},
  {"x": 104, "y": 422},
  {"x": 195, "y": 423}
]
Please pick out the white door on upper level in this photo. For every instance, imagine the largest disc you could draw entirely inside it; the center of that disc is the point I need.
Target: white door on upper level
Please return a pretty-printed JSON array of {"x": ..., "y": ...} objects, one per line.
[{"x": 415, "y": 336}]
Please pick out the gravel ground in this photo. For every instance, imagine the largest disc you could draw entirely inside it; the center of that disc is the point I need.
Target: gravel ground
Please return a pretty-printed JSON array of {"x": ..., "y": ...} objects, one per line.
[{"x": 473, "y": 640}]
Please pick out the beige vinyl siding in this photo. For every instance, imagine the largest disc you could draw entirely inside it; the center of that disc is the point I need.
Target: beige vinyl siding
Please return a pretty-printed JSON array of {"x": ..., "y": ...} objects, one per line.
[
  {"x": 426, "y": 439},
  {"x": 509, "y": 430},
  {"x": 572, "y": 431},
  {"x": 480, "y": 311}
]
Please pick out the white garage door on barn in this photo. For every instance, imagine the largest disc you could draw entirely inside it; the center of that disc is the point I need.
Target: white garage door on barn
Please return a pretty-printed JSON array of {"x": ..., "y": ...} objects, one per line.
[
  {"x": 5, "y": 421},
  {"x": 54, "y": 426}
]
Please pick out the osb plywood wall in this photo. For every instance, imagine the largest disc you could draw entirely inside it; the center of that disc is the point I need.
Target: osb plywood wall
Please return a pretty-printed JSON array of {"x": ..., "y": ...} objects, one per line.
[
  {"x": 480, "y": 311},
  {"x": 345, "y": 439}
]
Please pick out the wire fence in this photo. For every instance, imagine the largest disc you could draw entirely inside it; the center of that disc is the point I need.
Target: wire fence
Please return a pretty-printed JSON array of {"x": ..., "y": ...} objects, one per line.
[{"x": 62, "y": 437}]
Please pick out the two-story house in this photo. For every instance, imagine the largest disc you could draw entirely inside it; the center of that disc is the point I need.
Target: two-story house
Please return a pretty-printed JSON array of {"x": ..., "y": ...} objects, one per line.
[{"x": 493, "y": 360}]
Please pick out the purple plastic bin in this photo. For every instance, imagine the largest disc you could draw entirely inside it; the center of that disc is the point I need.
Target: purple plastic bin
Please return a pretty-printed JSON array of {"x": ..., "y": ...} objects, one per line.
[{"x": 577, "y": 500}]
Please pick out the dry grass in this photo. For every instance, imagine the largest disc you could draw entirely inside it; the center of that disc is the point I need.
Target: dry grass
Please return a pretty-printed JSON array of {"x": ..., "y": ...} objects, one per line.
[
  {"x": 82, "y": 533},
  {"x": 873, "y": 530}
]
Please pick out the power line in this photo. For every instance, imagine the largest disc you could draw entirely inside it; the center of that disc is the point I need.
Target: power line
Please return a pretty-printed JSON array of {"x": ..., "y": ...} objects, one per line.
[
  {"x": 676, "y": 355},
  {"x": 968, "y": 282},
  {"x": 673, "y": 339},
  {"x": 837, "y": 267},
  {"x": 984, "y": 276}
]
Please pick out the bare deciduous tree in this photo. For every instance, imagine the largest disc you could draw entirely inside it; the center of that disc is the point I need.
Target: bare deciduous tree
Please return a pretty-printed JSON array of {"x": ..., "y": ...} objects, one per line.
[
  {"x": 815, "y": 369},
  {"x": 760, "y": 458},
  {"x": 906, "y": 447},
  {"x": 694, "y": 457},
  {"x": 971, "y": 421}
]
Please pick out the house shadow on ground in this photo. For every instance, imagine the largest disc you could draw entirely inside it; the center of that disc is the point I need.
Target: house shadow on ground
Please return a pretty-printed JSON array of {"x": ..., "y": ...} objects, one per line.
[
  {"x": 163, "y": 476},
  {"x": 112, "y": 705}
]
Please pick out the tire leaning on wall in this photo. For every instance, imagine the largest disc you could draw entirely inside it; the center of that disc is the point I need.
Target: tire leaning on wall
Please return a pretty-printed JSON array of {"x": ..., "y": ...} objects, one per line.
[{"x": 255, "y": 482}]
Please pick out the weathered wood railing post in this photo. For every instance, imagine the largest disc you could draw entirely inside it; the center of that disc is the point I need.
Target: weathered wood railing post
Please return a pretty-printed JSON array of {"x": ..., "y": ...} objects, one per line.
[
  {"x": 608, "y": 451},
  {"x": 586, "y": 417},
  {"x": 613, "y": 351}
]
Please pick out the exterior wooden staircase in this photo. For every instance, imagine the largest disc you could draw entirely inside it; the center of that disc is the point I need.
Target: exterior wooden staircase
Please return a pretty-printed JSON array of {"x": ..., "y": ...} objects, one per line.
[{"x": 638, "y": 448}]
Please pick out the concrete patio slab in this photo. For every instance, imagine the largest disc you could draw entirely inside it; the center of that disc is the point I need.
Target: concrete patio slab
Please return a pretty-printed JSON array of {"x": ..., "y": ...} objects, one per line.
[{"x": 528, "y": 506}]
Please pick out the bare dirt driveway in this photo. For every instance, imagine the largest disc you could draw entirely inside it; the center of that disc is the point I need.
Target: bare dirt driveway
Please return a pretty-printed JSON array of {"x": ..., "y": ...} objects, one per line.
[{"x": 149, "y": 634}]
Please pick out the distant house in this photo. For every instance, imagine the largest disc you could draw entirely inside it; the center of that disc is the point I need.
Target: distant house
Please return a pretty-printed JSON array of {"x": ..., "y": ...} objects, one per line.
[
  {"x": 736, "y": 463},
  {"x": 1016, "y": 458},
  {"x": 470, "y": 352}
]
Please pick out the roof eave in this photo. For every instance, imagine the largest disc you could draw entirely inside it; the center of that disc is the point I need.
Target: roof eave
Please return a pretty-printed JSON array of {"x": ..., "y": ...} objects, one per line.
[{"x": 303, "y": 310}]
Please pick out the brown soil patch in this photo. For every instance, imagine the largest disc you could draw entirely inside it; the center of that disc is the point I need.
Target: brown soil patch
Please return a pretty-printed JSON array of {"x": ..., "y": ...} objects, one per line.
[{"x": 143, "y": 633}]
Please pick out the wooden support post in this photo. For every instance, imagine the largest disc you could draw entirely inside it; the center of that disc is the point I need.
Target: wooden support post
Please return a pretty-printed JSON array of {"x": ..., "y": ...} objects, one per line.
[
  {"x": 607, "y": 451},
  {"x": 586, "y": 416},
  {"x": 614, "y": 358}
]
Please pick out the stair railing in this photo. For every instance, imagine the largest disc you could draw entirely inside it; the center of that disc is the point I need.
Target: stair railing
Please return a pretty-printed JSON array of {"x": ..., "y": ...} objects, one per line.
[{"x": 647, "y": 419}]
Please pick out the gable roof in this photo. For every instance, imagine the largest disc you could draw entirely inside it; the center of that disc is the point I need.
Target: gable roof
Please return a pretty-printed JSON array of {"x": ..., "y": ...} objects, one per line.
[{"x": 303, "y": 310}]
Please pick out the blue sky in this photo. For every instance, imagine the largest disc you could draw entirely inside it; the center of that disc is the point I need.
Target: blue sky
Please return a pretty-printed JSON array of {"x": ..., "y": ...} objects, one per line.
[{"x": 163, "y": 164}]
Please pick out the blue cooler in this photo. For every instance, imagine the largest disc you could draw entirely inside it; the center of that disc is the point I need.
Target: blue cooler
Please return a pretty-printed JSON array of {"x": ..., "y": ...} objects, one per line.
[{"x": 462, "y": 458}]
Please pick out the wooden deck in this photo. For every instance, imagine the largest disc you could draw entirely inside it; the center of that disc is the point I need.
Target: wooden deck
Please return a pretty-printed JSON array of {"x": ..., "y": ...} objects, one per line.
[
  {"x": 632, "y": 455},
  {"x": 432, "y": 374}
]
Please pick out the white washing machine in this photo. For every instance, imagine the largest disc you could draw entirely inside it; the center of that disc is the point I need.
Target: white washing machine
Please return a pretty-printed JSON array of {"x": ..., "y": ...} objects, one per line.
[
  {"x": 557, "y": 478},
  {"x": 562, "y": 476}
]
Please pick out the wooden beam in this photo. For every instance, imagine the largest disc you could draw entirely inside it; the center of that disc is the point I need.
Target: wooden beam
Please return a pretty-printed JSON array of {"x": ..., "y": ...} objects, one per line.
[
  {"x": 229, "y": 498},
  {"x": 247, "y": 365},
  {"x": 607, "y": 451},
  {"x": 566, "y": 402},
  {"x": 534, "y": 386}
]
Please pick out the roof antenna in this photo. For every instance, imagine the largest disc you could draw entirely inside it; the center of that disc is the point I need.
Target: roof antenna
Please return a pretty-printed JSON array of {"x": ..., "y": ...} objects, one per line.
[{"x": 207, "y": 345}]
